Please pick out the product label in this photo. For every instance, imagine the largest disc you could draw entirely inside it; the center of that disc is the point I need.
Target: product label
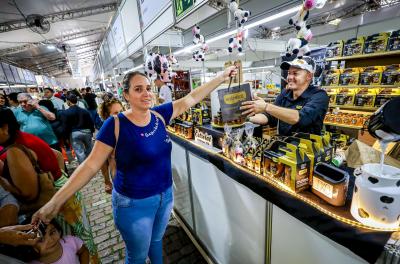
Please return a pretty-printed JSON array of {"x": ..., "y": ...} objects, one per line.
[{"x": 323, "y": 187}]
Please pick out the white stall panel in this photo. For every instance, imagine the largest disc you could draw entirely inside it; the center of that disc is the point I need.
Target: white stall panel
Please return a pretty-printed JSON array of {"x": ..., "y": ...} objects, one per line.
[
  {"x": 135, "y": 46},
  {"x": 295, "y": 242},
  {"x": 118, "y": 34},
  {"x": 111, "y": 45},
  {"x": 229, "y": 218},
  {"x": 181, "y": 183},
  {"x": 130, "y": 20},
  {"x": 163, "y": 22},
  {"x": 151, "y": 8}
]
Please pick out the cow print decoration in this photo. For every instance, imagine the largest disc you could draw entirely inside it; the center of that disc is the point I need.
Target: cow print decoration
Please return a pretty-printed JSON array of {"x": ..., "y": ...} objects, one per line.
[
  {"x": 357, "y": 172},
  {"x": 398, "y": 183},
  {"x": 373, "y": 180},
  {"x": 362, "y": 213},
  {"x": 386, "y": 199},
  {"x": 355, "y": 188}
]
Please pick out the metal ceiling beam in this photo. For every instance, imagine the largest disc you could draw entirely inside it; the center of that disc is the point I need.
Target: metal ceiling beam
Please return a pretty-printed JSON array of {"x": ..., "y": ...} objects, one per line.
[
  {"x": 87, "y": 45},
  {"x": 91, "y": 52},
  {"x": 56, "y": 40},
  {"x": 62, "y": 16}
]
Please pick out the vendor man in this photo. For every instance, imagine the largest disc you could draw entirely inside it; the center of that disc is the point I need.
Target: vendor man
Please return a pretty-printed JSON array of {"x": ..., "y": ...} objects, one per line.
[{"x": 301, "y": 107}]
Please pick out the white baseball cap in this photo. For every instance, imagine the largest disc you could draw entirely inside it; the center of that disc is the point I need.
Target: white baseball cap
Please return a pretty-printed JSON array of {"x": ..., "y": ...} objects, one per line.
[{"x": 305, "y": 63}]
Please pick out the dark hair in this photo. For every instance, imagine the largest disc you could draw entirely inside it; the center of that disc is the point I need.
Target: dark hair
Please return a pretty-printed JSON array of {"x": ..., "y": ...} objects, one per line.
[
  {"x": 5, "y": 98},
  {"x": 72, "y": 98},
  {"x": 7, "y": 117},
  {"x": 48, "y": 104},
  {"x": 57, "y": 226},
  {"x": 88, "y": 89},
  {"x": 77, "y": 93},
  {"x": 13, "y": 97},
  {"x": 127, "y": 79},
  {"x": 49, "y": 89}
]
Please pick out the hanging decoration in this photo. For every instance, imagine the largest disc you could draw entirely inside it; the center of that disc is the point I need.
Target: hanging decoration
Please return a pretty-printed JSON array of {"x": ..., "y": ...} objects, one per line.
[
  {"x": 299, "y": 46},
  {"x": 241, "y": 16},
  {"x": 199, "y": 54},
  {"x": 158, "y": 65}
]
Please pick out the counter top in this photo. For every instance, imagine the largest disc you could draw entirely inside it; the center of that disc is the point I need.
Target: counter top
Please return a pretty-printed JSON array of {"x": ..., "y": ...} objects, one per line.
[{"x": 335, "y": 223}]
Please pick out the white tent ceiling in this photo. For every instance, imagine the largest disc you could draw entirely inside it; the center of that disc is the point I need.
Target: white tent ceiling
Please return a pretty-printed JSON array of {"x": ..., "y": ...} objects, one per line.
[{"x": 84, "y": 31}]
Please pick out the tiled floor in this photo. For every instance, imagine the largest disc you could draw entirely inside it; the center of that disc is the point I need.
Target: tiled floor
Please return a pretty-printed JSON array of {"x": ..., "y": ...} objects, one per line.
[{"x": 178, "y": 248}]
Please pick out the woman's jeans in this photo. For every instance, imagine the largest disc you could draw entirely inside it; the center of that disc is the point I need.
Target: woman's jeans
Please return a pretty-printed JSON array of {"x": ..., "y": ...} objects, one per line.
[{"x": 142, "y": 223}]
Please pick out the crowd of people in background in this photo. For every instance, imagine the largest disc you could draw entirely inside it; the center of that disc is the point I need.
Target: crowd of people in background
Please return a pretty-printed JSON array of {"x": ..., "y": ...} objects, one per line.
[
  {"x": 39, "y": 132},
  {"x": 42, "y": 130}
]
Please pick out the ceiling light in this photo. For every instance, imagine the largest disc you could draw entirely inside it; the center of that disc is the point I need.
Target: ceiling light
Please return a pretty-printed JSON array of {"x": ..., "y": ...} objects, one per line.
[
  {"x": 276, "y": 28},
  {"x": 134, "y": 69},
  {"x": 249, "y": 26},
  {"x": 335, "y": 22},
  {"x": 259, "y": 68},
  {"x": 51, "y": 47}
]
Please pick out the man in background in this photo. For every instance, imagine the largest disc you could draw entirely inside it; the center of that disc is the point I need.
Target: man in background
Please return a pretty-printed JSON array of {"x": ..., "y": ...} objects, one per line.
[
  {"x": 78, "y": 123},
  {"x": 13, "y": 101},
  {"x": 34, "y": 119},
  {"x": 57, "y": 102},
  {"x": 165, "y": 94}
]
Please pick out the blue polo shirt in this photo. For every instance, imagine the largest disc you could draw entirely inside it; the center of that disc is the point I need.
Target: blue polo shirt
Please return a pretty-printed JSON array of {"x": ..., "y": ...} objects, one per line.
[
  {"x": 36, "y": 124},
  {"x": 312, "y": 105}
]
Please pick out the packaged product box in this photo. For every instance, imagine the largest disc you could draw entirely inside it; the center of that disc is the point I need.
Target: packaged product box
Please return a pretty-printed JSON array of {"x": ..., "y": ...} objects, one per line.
[
  {"x": 366, "y": 97},
  {"x": 394, "y": 41},
  {"x": 287, "y": 164},
  {"x": 331, "y": 77},
  {"x": 313, "y": 151},
  {"x": 354, "y": 46},
  {"x": 371, "y": 75},
  {"x": 385, "y": 95},
  {"x": 350, "y": 76},
  {"x": 334, "y": 49},
  {"x": 322, "y": 143},
  {"x": 332, "y": 95},
  {"x": 376, "y": 43},
  {"x": 391, "y": 75},
  {"x": 346, "y": 96}
]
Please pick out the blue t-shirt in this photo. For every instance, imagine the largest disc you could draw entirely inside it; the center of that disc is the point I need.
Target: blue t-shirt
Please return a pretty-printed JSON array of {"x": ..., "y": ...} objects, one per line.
[{"x": 143, "y": 154}]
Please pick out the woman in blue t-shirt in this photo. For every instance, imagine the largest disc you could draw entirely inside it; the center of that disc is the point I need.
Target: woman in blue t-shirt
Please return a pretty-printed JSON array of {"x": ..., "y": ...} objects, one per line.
[{"x": 142, "y": 195}]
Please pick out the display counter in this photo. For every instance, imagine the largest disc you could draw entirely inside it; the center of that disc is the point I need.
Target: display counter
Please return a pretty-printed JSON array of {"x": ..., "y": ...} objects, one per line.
[{"x": 240, "y": 216}]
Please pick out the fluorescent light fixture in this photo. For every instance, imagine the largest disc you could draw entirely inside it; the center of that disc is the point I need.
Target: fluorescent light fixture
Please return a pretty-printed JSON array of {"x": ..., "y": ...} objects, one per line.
[
  {"x": 51, "y": 47},
  {"x": 249, "y": 26},
  {"x": 276, "y": 28},
  {"x": 335, "y": 22},
  {"x": 187, "y": 49},
  {"x": 134, "y": 69},
  {"x": 259, "y": 68}
]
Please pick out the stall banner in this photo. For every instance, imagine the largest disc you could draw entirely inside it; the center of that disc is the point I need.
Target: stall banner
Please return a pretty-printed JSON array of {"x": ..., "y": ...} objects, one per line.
[
  {"x": 150, "y": 9},
  {"x": 3, "y": 78},
  {"x": 8, "y": 73},
  {"x": 15, "y": 74},
  {"x": 118, "y": 35},
  {"x": 230, "y": 100},
  {"x": 181, "y": 6}
]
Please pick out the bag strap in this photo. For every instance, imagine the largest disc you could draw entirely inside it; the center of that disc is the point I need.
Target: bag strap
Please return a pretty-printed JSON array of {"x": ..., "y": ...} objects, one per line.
[
  {"x": 157, "y": 114},
  {"x": 116, "y": 134}
]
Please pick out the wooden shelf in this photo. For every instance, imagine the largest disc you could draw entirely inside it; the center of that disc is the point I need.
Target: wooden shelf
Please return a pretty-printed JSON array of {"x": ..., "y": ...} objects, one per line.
[
  {"x": 353, "y": 107},
  {"x": 361, "y": 86},
  {"x": 343, "y": 125},
  {"x": 362, "y": 56}
]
